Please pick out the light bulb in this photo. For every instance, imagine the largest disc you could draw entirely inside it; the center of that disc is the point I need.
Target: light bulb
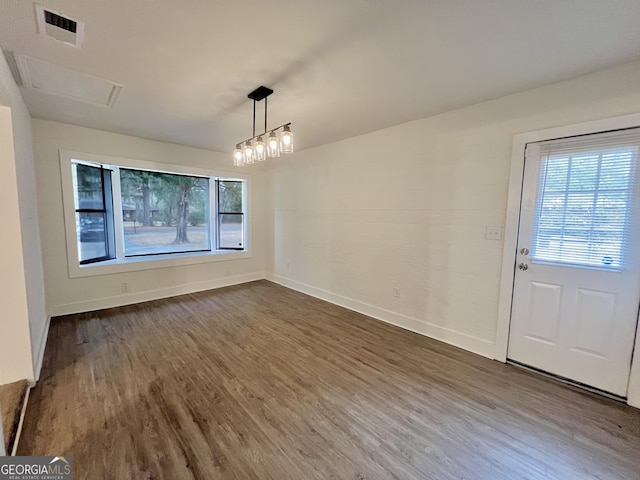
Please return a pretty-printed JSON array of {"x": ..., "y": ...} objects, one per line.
[
  {"x": 273, "y": 145},
  {"x": 248, "y": 153},
  {"x": 238, "y": 157},
  {"x": 260, "y": 150},
  {"x": 286, "y": 140}
]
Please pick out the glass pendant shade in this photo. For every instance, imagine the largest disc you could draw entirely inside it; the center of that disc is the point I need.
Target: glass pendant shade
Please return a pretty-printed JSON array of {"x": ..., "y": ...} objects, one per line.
[
  {"x": 260, "y": 150},
  {"x": 248, "y": 153},
  {"x": 286, "y": 140},
  {"x": 238, "y": 157},
  {"x": 273, "y": 145}
]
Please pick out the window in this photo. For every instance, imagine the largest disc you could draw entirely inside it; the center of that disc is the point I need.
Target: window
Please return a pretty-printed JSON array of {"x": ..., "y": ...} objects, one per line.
[
  {"x": 585, "y": 200},
  {"x": 164, "y": 212},
  {"x": 230, "y": 216},
  {"x": 93, "y": 207},
  {"x": 122, "y": 213}
]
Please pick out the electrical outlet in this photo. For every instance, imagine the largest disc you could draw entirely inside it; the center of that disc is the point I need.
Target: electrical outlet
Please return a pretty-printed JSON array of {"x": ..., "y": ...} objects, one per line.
[
  {"x": 396, "y": 292},
  {"x": 493, "y": 233},
  {"x": 125, "y": 287}
]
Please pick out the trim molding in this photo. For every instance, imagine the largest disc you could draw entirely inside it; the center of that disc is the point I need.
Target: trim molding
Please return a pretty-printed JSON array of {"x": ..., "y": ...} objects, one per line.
[
  {"x": 23, "y": 412},
  {"x": 120, "y": 300},
  {"x": 509, "y": 255},
  {"x": 512, "y": 221},
  {"x": 452, "y": 337},
  {"x": 43, "y": 344},
  {"x": 66, "y": 158}
]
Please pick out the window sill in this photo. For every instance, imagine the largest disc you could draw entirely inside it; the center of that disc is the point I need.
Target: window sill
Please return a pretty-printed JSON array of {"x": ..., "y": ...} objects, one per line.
[{"x": 134, "y": 264}]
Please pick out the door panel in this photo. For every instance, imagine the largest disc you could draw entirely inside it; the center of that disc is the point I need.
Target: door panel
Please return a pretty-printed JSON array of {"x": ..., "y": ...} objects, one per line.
[
  {"x": 544, "y": 312},
  {"x": 595, "y": 318},
  {"x": 577, "y": 283}
]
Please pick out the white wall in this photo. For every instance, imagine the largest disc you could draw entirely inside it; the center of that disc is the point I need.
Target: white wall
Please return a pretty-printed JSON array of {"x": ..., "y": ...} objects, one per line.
[
  {"x": 67, "y": 295},
  {"x": 406, "y": 207},
  {"x": 15, "y": 341},
  {"x": 28, "y": 276}
]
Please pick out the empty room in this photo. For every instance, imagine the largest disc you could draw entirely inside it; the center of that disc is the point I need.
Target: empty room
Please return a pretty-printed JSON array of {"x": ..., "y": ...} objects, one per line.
[{"x": 365, "y": 239}]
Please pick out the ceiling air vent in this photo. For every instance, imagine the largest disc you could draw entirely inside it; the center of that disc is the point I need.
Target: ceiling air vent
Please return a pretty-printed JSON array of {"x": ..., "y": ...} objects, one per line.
[
  {"x": 63, "y": 28},
  {"x": 60, "y": 22}
]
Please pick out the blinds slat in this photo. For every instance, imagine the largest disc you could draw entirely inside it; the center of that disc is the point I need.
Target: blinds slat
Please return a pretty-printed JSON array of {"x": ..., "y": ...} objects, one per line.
[{"x": 586, "y": 199}]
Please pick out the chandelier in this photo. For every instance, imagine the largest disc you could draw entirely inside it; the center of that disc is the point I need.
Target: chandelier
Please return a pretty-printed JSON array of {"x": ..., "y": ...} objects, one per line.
[{"x": 270, "y": 143}]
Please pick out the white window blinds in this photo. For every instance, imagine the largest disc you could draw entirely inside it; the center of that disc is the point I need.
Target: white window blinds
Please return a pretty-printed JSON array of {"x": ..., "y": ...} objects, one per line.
[{"x": 586, "y": 199}]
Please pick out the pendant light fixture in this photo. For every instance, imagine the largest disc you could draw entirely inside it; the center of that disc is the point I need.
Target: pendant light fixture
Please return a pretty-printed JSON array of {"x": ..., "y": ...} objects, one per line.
[{"x": 256, "y": 149}]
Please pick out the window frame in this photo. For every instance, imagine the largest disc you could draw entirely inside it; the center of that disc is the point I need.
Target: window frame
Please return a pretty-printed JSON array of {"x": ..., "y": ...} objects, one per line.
[
  {"x": 220, "y": 213},
  {"x": 122, "y": 264},
  {"x": 208, "y": 210},
  {"x": 106, "y": 179}
]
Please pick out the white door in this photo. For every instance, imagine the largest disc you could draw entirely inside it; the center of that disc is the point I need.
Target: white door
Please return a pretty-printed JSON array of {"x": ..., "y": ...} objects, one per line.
[{"x": 577, "y": 284}]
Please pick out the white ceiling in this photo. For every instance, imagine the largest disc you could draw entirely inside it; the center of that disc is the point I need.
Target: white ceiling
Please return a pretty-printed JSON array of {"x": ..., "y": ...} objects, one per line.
[{"x": 339, "y": 68}]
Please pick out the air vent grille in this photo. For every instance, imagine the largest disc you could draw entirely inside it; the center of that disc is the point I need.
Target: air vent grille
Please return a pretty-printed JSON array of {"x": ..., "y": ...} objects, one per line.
[
  {"x": 60, "y": 22},
  {"x": 61, "y": 27}
]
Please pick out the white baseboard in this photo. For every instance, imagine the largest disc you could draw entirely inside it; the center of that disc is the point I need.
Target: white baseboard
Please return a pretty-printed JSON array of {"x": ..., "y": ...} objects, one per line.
[
  {"x": 457, "y": 339},
  {"x": 41, "y": 347},
  {"x": 138, "y": 297}
]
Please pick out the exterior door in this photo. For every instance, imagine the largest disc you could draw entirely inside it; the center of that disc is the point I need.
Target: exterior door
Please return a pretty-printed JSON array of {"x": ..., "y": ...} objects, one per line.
[{"x": 577, "y": 282}]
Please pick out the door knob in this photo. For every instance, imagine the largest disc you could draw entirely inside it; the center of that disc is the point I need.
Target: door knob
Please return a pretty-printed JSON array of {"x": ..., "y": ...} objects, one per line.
[{"x": 523, "y": 266}]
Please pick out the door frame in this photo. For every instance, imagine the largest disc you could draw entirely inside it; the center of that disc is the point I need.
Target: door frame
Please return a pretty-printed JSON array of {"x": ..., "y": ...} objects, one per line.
[{"x": 512, "y": 222}]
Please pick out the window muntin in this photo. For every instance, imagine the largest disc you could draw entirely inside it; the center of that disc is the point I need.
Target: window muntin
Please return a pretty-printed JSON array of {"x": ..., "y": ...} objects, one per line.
[
  {"x": 230, "y": 215},
  {"x": 164, "y": 212},
  {"x": 584, "y": 207},
  {"x": 93, "y": 213}
]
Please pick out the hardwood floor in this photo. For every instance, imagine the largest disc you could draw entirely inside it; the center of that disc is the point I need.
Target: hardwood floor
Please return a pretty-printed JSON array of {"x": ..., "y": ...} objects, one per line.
[
  {"x": 261, "y": 382},
  {"x": 11, "y": 402}
]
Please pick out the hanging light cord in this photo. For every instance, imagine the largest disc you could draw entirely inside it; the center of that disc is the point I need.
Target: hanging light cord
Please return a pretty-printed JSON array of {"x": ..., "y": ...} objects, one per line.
[
  {"x": 254, "y": 117},
  {"x": 265, "y": 124}
]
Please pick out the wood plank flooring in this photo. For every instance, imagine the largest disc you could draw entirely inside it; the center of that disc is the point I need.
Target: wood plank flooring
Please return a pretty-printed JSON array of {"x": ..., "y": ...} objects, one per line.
[
  {"x": 11, "y": 401},
  {"x": 260, "y": 382}
]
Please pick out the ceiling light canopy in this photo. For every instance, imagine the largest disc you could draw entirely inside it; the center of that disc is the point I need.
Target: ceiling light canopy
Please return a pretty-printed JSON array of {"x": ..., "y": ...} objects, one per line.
[{"x": 270, "y": 143}]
